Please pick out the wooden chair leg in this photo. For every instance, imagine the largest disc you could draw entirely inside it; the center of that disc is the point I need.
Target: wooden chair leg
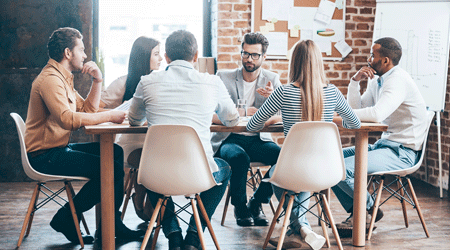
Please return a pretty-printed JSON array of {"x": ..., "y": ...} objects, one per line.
[
  {"x": 30, "y": 210},
  {"x": 74, "y": 214},
  {"x": 208, "y": 222},
  {"x": 326, "y": 207},
  {"x": 30, "y": 220},
  {"x": 375, "y": 209},
  {"x": 198, "y": 224},
  {"x": 419, "y": 212},
  {"x": 225, "y": 208},
  {"x": 321, "y": 220},
  {"x": 83, "y": 220},
  {"x": 158, "y": 226},
  {"x": 285, "y": 222},
  {"x": 274, "y": 220},
  {"x": 150, "y": 225},
  {"x": 402, "y": 193},
  {"x": 132, "y": 175}
]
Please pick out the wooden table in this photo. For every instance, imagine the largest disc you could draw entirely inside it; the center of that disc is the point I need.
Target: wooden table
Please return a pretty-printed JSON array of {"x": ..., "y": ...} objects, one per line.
[{"x": 107, "y": 131}]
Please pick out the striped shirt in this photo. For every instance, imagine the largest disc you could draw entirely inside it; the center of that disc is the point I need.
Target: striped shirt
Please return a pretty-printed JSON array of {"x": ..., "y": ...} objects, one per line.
[{"x": 287, "y": 98}]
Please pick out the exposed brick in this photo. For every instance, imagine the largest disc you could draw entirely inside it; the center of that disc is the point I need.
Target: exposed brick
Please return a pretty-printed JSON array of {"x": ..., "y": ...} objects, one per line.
[
  {"x": 223, "y": 57},
  {"x": 342, "y": 66},
  {"x": 350, "y": 26},
  {"x": 359, "y": 42},
  {"x": 226, "y": 49},
  {"x": 364, "y": 19},
  {"x": 362, "y": 34},
  {"x": 280, "y": 66},
  {"x": 339, "y": 82},
  {"x": 236, "y": 57},
  {"x": 362, "y": 26},
  {"x": 360, "y": 59},
  {"x": 224, "y": 40},
  {"x": 227, "y": 32},
  {"x": 350, "y": 10},
  {"x": 226, "y": 65},
  {"x": 241, "y": 24},
  {"x": 365, "y": 11},
  {"x": 242, "y": 7},
  {"x": 224, "y": 24},
  {"x": 365, "y": 3},
  {"x": 228, "y": 15},
  {"x": 224, "y": 7},
  {"x": 332, "y": 74}
]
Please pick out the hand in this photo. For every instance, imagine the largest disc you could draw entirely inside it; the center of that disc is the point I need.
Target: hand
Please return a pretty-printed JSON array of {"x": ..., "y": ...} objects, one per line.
[
  {"x": 93, "y": 70},
  {"x": 251, "y": 111},
  {"x": 117, "y": 116},
  {"x": 266, "y": 91},
  {"x": 364, "y": 73}
]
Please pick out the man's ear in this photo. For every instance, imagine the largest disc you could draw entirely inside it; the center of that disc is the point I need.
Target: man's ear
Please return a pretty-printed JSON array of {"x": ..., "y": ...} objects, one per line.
[
  {"x": 167, "y": 58},
  {"x": 195, "y": 59},
  {"x": 67, "y": 53},
  {"x": 386, "y": 60}
]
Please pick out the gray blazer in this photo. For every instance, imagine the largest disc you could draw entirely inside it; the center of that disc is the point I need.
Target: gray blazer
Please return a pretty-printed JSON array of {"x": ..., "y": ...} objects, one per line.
[{"x": 233, "y": 81}]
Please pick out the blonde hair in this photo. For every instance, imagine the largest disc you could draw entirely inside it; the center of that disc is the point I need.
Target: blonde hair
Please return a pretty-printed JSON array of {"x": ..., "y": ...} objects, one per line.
[{"x": 306, "y": 69}]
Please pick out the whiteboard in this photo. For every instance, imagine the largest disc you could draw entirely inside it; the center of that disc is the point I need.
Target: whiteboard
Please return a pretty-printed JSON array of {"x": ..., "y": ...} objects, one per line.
[{"x": 422, "y": 28}]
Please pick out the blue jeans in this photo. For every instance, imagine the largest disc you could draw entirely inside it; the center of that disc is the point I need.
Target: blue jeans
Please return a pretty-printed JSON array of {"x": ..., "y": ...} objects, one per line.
[
  {"x": 239, "y": 151},
  {"x": 210, "y": 198},
  {"x": 384, "y": 155},
  {"x": 298, "y": 216},
  {"x": 82, "y": 159}
]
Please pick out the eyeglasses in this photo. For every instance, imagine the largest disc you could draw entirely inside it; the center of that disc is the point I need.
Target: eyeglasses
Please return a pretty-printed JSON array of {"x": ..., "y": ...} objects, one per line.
[{"x": 245, "y": 55}]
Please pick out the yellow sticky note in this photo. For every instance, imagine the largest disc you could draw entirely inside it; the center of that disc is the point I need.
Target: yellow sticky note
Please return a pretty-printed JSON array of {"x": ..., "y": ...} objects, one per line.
[
  {"x": 271, "y": 26},
  {"x": 274, "y": 20},
  {"x": 264, "y": 30},
  {"x": 294, "y": 32}
]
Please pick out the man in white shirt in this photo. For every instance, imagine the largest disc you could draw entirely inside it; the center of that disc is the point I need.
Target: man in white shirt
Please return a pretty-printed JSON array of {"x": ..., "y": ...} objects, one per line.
[
  {"x": 182, "y": 95},
  {"x": 254, "y": 84},
  {"x": 391, "y": 98}
]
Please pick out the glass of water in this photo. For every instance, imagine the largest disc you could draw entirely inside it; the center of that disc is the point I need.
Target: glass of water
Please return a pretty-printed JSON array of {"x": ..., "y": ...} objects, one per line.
[{"x": 242, "y": 107}]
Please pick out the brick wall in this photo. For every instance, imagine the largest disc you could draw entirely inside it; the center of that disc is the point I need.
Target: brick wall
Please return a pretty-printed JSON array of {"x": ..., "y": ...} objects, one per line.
[{"x": 234, "y": 20}]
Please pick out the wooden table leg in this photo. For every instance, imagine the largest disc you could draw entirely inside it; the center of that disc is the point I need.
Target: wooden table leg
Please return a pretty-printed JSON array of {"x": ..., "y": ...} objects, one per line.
[
  {"x": 107, "y": 190},
  {"x": 360, "y": 193}
]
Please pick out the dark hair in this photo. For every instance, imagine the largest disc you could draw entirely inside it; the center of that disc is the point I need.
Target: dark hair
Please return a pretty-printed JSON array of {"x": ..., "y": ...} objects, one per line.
[
  {"x": 61, "y": 39},
  {"x": 256, "y": 38},
  {"x": 181, "y": 45},
  {"x": 138, "y": 64},
  {"x": 391, "y": 48}
]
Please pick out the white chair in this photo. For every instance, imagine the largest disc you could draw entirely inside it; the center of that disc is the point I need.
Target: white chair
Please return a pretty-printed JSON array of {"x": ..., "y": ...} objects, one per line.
[
  {"x": 252, "y": 182},
  {"x": 400, "y": 193},
  {"x": 310, "y": 160},
  {"x": 173, "y": 162},
  {"x": 41, "y": 188}
]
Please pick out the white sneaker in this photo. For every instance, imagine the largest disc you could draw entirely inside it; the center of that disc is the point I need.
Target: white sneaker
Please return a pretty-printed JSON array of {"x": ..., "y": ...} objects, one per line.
[
  {"x": 314, "y": 240},
  {"x": 292, "y": 240}
]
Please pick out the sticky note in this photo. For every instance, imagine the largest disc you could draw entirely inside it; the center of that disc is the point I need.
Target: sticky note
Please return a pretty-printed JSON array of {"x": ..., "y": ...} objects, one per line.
[
  {"x": 271, "y": 26},
  {"x": 294, "y": 33},
  {"x": 274, "y": 20},
  {"x": 264, "y": 29}
]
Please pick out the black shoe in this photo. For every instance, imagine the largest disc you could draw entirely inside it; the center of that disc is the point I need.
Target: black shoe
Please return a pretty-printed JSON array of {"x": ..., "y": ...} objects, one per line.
[
  {"x": 63, "y": 222},
  {"x": 257, "y": 213},
  {"x": 175, "y": 241},
  {"x": 191, "y": 242},
  {"x": 123, "y": 232},
  {"x": 243, "y": 216}
]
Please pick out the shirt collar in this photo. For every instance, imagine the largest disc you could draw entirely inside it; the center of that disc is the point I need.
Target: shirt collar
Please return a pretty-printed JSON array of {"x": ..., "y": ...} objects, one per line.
[
  {"x": 68, "y": 76},
  {"x": 180, "y": 63},
  {"x": 382, "y": 78}
]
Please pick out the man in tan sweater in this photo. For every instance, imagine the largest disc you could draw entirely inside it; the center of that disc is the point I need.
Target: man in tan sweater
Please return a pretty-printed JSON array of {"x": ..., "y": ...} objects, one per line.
[{"x": 55, "y": 109}]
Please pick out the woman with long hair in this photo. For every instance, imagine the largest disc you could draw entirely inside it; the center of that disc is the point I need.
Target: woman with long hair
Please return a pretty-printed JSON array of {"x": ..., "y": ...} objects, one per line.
[
  {"x": 144, "y": 58},
  {"x": 308, "y": 97}
]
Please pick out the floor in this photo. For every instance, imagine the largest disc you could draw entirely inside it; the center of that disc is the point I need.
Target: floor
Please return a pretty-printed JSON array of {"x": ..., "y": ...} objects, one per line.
[{"x": 390, "y": 233}]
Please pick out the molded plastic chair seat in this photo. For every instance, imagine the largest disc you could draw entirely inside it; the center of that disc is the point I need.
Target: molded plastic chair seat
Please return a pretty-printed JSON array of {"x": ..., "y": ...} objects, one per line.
[
  {"x": 41, "y": 179},
  {"x": 310, "y": 160},
  {"x": 173, "y": 162},
  {"x": 401, "y": 191}
]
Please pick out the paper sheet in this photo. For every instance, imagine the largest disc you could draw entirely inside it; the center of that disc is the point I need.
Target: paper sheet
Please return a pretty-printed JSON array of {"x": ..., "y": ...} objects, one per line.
[
  {"x": 325, "y": 11},
  {"x": 124, "y": 106},
  {"x": 325, "y": 46},
  {"x": 339, "y": 4},
  {"x": 278, "y": 9},
  {"x": 343, "y": 48},
  {"x": 306, "y": 34},
  {"x": 302, "y": 16},
  {"x": 278, "y": 43}
]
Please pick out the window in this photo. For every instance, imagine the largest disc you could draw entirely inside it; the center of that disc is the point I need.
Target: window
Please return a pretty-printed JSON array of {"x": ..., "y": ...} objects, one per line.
[{"x": 121, "y": 22}]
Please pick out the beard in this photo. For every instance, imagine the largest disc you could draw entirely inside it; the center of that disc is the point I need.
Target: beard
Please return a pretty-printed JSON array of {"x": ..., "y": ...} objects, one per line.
[
  {"x": 76, "y": 65},
  {"x": 251, "y": 68},
  {"x": 375, "y": 67}
]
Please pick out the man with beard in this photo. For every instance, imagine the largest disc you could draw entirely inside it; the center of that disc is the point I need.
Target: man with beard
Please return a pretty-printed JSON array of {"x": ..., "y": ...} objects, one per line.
[
  {"x": 391, "y": 98},
  {"x": 55, "y": 109},
  {"x": 254, "y": 84}
]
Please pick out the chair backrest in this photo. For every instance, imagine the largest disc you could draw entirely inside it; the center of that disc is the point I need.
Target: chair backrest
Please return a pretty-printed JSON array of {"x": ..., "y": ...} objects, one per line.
[
  {"x": 311, "y": 158},
  {"x": 404, "y": 172},
  {"x": 29, "y": 171},
  {"x": 173, "y": 161}
]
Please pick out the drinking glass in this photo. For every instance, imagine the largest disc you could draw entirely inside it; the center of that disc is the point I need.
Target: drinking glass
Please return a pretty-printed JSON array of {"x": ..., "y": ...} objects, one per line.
[{"x": 242, "y": 107}]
